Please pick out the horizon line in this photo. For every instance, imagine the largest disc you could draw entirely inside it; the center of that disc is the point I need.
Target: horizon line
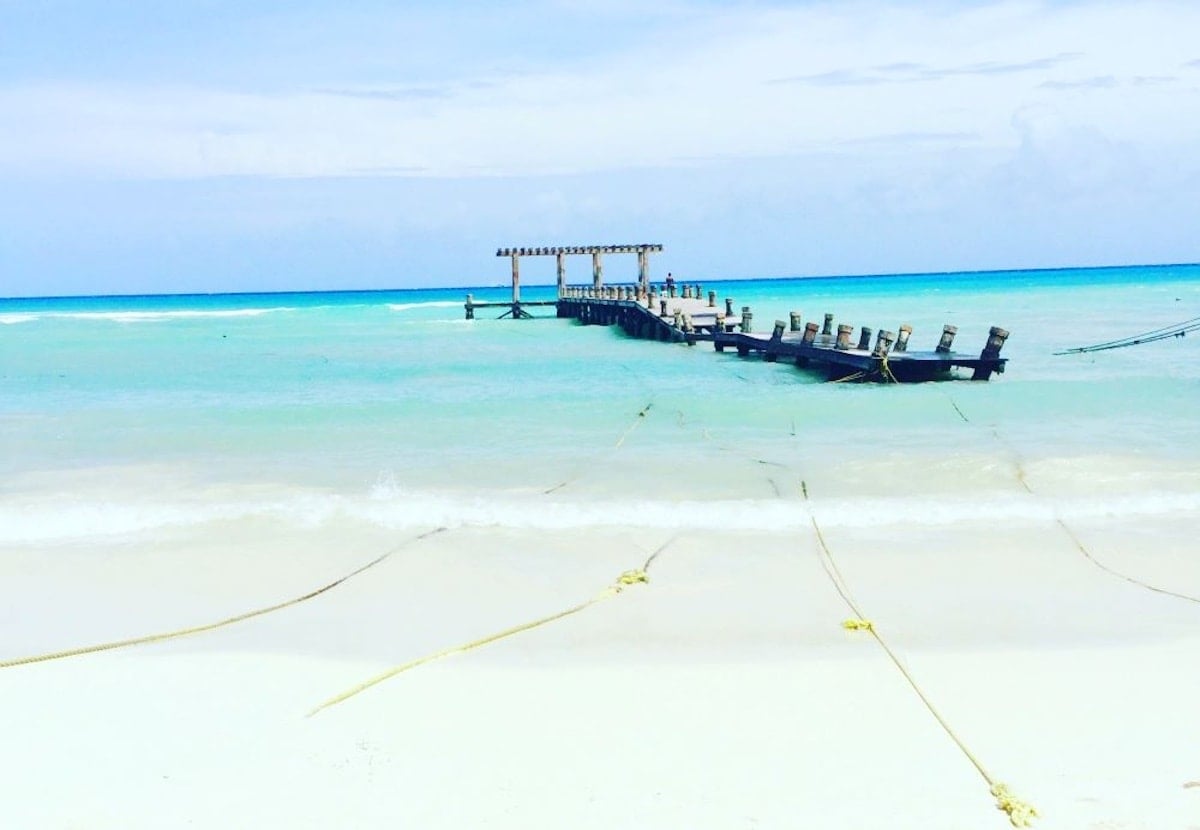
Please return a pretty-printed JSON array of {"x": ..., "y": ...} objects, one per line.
[{"x": 880, "y": 275}]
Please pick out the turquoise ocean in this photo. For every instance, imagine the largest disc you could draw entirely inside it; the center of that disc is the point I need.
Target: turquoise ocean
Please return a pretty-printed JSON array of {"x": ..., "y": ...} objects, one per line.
[{"x": 133, "y": 416}]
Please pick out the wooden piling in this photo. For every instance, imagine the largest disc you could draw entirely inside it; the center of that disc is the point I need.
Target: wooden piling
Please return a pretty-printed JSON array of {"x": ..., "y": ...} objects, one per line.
[
  {"x": 794, "y": 319},
  {"x": 810, "y": 333},
  {"x": 995, "y": 342},
  {"x": 712, "y": 298},
  {"x": 729, "y": 306},
  {"x": 770, "y": 354},
  {"x": 948, "y": 332},
  {"x": 902, "y": 338},
  {"x": 864, "y": 338},
  {"x": 470, "y": 307},
  {"x": 991, "y": 351},
  {"x": 883, "y": 343},
  {"x": 843, "y": 336},
  {"x": 827, "y": 329},
  {"x": 747, "y": 320}
]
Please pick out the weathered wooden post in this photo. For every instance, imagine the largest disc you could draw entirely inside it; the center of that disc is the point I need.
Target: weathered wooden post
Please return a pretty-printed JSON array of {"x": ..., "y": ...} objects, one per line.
[
  {"x": 827, "y": 329},
  {"x": 719, "y": 324},
  {"x": 795, "y": 320},
  {"x": 770, "y": 355},
  {"x": 671, "y": 290},
  {"x": 662, "y": 305},
  {"x": 883, "y": 343},
  {"x": 712, "y": 298},
  {"x": 729, "y": 306},
  {"x": 747, "y": 319},
  {"x": 597, "y": 270},
  {"x": 643, "y": 269},
  {"x": 561, "y": 264},
  {"x": 687, "y": 292},
  {"x": 864, "y": 338},
  {"x": 991, "y": 351},
  {"x": 470, "y": 307},
  {"x": 697, "y": 292},
  {"x": 678, "y": 323},
  {"x": 843, "y": 337},
  {"x": 948, "y": 332},
  {"x": 995, "y": 342},
  {"x": 516, "y": 271},
  {"x": 902, "y": 338},
  {"x": 810, "y": 333}
]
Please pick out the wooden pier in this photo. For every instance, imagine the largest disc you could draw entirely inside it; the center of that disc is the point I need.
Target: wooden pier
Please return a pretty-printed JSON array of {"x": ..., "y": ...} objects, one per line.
[
  {"x": 516, "y": 308},
  {"x": 686, "y": 314}
]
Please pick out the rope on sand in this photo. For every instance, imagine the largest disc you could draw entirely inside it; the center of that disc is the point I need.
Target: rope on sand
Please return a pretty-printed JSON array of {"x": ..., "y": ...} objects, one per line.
[
  {"x": 628, "y": 578},
  {"x": 198, "y": 629},
  {"x": 1020, "y": 814}
]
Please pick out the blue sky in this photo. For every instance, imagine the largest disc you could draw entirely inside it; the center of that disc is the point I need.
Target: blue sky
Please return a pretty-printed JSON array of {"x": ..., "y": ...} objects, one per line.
[{"x": 204, "y": 145}]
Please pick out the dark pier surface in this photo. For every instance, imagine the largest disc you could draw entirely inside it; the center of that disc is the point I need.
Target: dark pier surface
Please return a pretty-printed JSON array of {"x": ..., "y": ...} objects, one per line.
[{"x": 819, "y": 346}]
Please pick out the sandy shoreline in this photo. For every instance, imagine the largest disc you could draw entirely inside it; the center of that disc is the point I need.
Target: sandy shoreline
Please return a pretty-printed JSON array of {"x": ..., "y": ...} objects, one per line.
[{"x": 723, "y": 694}]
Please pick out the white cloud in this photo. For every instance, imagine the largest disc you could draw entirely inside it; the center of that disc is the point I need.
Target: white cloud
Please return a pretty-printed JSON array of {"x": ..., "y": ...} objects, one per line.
[{"x": 745, "y": 82}]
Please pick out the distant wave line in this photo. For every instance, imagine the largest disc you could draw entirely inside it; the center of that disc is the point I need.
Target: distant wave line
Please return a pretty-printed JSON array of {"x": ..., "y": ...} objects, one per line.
[
  {"x": 429, "y": 304},
  {"x": 132, "y": 316}
]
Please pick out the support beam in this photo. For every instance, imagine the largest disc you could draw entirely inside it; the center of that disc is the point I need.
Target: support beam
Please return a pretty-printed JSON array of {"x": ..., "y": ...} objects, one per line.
[
  {"x": 597, "y": 270},
  {"x": 561, "y": 262}
]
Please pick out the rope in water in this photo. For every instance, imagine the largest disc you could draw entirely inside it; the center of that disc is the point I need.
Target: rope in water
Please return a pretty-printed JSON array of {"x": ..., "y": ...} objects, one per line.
[
  {"x": 1019, "y": 813},
  {"x": 641, "y": 416},
  {"x": 1022, "y": 480},
  {"x": 197, "y": 629},
  {"x": 1154, "y": 335},
  {"x": 626, "y": 579},
  {"x": 884, "y": 370}
]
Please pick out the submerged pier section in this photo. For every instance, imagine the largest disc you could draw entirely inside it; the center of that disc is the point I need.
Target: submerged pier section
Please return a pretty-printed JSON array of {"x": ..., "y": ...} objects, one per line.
[{"x": 690, "y": 316}]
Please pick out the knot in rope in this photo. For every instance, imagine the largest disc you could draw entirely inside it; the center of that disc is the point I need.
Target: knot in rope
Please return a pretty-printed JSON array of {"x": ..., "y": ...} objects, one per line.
[
  {"x": 1019, "y": 813},
  {"x": 632, "y": 578},
  {"x": 855, "y": 624},
  {"x": 885, "y": 369}
]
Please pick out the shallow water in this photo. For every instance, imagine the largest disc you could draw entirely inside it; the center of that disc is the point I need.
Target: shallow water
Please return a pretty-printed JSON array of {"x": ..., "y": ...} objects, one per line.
[{"x": 131, "y": 415}]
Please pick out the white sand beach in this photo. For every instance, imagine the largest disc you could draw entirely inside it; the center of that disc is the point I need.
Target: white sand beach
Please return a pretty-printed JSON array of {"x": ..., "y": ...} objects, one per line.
[{"x": 724, "y": 693}]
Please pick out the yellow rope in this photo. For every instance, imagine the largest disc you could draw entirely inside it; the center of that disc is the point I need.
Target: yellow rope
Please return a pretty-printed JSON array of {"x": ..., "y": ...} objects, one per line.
[
  {"x": 642, "y": 413},
  {"x": 1019, "y": 813},
  {"x": 855, "y": 624},
  {"x": 885, "y": 369},
  {"x": 637, "y": 420},
  {"x": 197, "y": 629},
  {"x": 626, "y": 579}
]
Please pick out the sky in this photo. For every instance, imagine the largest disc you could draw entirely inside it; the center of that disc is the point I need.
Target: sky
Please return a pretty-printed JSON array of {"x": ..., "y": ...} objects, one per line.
[{"x": 205, "y": 145}]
